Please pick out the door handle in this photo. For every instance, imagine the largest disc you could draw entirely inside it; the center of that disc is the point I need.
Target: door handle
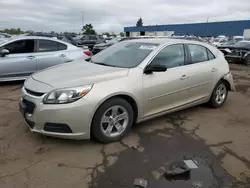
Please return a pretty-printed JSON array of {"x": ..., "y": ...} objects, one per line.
[
  {"x": 213, "y": 70},
  {"x": 184, "y": 77},
  {"x": 30, "y": 57},
  {"x": 62, "y": 55}
]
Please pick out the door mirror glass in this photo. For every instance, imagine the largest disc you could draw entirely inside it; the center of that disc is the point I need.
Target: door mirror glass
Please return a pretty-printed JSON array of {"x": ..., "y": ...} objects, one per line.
[
  {"x": 4, "y": 52},
  {"x": 155, "y": 68}
]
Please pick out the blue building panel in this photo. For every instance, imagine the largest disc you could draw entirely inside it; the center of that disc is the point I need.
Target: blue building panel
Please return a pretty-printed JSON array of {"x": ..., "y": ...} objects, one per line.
[{"x": 228, "y": 28}]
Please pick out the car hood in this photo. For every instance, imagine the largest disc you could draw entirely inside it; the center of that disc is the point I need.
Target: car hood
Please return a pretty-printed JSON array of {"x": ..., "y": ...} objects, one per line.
[{"x": 76, "y": 74}]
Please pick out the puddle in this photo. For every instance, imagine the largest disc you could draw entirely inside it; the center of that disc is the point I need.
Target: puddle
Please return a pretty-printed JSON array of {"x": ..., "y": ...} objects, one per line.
[{"x": 158, "y": 151}]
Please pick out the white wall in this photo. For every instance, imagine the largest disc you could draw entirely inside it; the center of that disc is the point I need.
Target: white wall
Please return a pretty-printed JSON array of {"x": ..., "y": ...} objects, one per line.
[
  {"x": 246, "y": 33},
  {"x": 134, "y": 34}
]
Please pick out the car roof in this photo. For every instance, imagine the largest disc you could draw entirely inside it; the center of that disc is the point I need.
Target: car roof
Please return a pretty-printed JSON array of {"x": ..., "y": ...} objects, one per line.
[
  {"x": 23, "y": 37},
  {"x": 161, "y": 41}
]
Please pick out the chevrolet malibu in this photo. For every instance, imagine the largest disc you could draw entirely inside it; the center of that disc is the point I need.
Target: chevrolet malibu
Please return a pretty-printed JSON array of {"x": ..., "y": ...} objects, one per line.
[{"x": 128, "y": 83}]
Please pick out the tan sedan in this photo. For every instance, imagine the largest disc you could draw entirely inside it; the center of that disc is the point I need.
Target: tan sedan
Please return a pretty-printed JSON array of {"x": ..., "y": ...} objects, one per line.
[{"x": 127, "y": 83}]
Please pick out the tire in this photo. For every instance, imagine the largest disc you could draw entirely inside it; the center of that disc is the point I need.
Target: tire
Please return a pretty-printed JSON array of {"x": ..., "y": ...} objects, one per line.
[
  {"x": 105, "y": 118},
  {"x": 214, "y": 101}
]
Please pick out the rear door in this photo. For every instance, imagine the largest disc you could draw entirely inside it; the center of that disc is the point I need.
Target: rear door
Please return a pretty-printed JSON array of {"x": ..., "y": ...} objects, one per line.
[
  {"x": 20, "y": 62},
  {"x": 202, "y": 72},
  {"x": 50, "y": 53}
]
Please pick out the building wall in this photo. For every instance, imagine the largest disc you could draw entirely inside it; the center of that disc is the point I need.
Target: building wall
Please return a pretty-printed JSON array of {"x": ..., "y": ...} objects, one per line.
[{"x": 229, "y": 28}]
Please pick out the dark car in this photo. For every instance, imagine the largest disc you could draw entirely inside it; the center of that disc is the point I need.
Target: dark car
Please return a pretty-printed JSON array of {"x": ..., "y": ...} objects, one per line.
[
  {"x": 238, "y": 53},
  {"x": 90, "y": 40},
  {"x": 99, "y": 47}
]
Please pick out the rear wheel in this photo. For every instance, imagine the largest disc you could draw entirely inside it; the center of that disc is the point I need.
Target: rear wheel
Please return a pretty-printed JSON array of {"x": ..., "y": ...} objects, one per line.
[
  {"x": 219, "y": 94},
  {"x": 112, "y": 120}
]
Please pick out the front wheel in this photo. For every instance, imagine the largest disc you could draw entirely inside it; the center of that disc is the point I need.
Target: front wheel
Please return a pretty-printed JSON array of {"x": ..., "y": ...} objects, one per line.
[
  {"x": 112, "y": 120},
  {"x": 219, "y": 95}
]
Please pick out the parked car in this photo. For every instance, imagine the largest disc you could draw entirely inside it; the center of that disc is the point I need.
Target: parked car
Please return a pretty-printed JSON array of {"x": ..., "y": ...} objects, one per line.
[
  {"x": 228, "y": 44},
  {"x": 99, "y": 47},
  {"x": 4, "y": 35},
  {"x": 129, "y": 82},
  {"x": 90, "y": 40},
  {"x": 219, "y": 41},
  {"x": 22, "y": 56},
  {"x": 238, "y": 53}
]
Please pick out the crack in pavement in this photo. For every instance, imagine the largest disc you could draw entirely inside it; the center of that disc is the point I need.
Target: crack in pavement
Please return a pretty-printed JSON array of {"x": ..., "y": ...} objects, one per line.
[{"x": 18, "y": 172}]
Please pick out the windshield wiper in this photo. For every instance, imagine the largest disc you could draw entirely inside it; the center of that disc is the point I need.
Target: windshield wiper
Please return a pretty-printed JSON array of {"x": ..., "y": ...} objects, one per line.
[{"x": 104, "y": 64}]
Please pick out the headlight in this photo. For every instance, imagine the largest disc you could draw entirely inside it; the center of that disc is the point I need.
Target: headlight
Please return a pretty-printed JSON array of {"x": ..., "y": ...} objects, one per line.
[{"x": 67, "y": 95}]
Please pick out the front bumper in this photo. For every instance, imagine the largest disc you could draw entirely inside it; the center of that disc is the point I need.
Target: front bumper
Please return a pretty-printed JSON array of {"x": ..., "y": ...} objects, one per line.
[{"x": 77, "y": 116}]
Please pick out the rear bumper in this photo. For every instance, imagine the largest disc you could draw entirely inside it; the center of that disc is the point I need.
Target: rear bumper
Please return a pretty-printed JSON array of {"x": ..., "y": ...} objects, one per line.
[{"x": 228, "y": 77}]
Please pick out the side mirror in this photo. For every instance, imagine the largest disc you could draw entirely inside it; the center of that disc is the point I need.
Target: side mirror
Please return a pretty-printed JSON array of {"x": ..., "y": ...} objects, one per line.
[
  {"x": 155, "y": 68},
  {"x": 4, "y": 52}
]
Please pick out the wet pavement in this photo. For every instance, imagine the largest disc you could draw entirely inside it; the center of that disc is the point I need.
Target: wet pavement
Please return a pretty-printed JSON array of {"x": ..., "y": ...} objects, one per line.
[{"x": 218, "y": 139}]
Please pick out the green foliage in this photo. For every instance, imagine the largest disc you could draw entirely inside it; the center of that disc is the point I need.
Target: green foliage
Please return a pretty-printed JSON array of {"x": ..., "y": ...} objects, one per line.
[
  {"x": 107, "y": 34},
  {"x": 139, "y": 22},
  {"x": 14, "y": 31},
  {"x": 122, "y": 34},
  {"x": 88, "y": 30}
]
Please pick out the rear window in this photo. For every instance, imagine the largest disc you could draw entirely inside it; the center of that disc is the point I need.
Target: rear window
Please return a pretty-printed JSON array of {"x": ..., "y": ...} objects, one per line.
[{"x": 125, "y": 54}]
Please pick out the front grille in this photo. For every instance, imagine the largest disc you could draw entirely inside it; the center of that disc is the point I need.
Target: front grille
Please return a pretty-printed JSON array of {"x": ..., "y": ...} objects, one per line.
[
  {"x": 34, "y": 93},
  {"x": 57, "y": 128},
  {"x": 30, "y": 106}
]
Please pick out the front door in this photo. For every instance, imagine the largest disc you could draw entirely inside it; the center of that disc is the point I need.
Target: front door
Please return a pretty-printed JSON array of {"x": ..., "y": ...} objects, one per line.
[
  {"x": 21, "y": 61},
  {"x": 166, "y": 90}
]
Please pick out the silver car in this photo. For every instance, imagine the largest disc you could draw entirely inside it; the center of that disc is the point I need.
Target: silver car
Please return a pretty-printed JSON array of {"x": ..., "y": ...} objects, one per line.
[
  {"x": 22, "y": 56},
  {"x": 127, "y": 83}
]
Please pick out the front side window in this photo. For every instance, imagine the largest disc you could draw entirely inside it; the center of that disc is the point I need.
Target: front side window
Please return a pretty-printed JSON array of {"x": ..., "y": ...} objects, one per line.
[
  {"x": 171, "y": 56},
  {"x": 125, "y": 54},
  {"x": 47, "y": 46},
  {"x": 198, "y": 53},
  {"x": 20, "y": 46}
]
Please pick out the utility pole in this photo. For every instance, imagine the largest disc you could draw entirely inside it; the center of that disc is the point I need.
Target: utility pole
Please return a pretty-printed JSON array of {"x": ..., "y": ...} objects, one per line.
[
  {"x": 82, "y": 18},
  {"x": 207, "y": 25}
]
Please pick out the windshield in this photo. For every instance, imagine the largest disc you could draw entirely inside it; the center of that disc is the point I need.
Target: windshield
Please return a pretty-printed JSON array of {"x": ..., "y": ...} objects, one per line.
[
  {"x": 242, "y": 45},
  {"x": 124, "y": 54},
  {"x": 230, "y": 42}
]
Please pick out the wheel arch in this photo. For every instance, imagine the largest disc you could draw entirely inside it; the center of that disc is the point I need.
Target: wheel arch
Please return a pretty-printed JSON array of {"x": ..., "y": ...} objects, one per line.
[{"x": 130, "y": 99}]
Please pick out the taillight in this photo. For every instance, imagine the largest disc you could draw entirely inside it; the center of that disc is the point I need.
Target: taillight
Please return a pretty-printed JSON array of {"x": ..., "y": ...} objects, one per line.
[{"x": 88, "y": 53}]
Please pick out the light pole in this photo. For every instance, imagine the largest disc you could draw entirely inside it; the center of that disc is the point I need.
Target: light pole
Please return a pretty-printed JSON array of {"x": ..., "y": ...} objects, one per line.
[{"x": 82, "y": 18}]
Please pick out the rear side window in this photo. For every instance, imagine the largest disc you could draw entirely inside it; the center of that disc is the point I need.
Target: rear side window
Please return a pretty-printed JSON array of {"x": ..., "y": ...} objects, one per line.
[
  {"x": 50, "y": 46},
  {"x": 198, "y": 53},
  {"x": 62, "y": 46},
  {"x": 210, "y": 55},
  {"x": 20, "y": 46}
]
